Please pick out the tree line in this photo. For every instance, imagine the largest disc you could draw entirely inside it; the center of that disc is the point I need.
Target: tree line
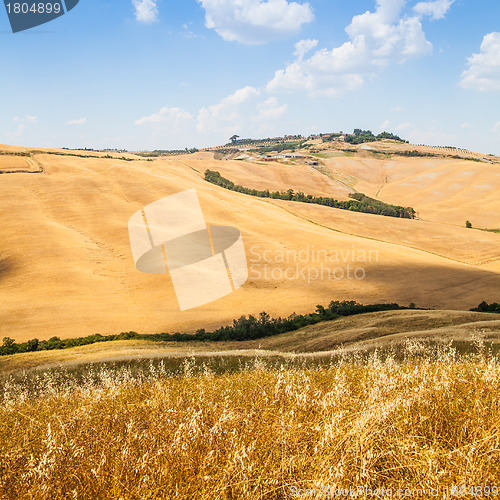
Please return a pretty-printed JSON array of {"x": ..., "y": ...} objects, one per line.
[
  {"x": 243, "y": 328},
  {"x": 359, "y": 202},
  {"x": 489, "y": 308}
]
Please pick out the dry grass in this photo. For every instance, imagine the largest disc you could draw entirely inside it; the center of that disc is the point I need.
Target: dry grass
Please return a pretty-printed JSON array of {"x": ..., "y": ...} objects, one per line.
[
  {"x": 365, "y": 332},
  {"x": 11, "y": 163},
  {"x": 274, "y": 176},
  {"x": 431, "y": 420},
  {"x": 441, "y": 190},
  {"x": 65, "y": 237}
]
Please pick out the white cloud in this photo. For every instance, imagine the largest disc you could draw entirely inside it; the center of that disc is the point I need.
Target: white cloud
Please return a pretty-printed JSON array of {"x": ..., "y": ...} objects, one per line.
[
  {"x": 25, "y": 119},
  {"x": 484, "y": 68},
  {"x": 436, "y": 9},
  {"x": 169, "y": 127},
  {"x": 146, "y": 11},
  {"x": 188, "y": 32},
  {"x": 170, "y": 117},
  {"x": 244, "y": 112},
  {"x": 227, "y": 113},
  {"x": 465, "y": 125},
  {"x": 384, "y": 126},
  {"x": 376, "y": 39},
  {"x": 79, "y": 121},
  {"x": 403, "y": 126},
  {"x": 303, "y": 47},
  {"x": 397, "y": 109},
  {"x": 270, "y": 110},
  {"x": 240, "y": 96},
  {"x": 255, "y": 21}
]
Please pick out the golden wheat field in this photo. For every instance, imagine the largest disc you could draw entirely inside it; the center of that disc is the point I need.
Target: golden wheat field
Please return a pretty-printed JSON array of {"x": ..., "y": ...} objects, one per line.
[
  {"x": 213, "y": 286},
  {"x": 260, "y": 431},
  {"x": 443, "y": 189},
  {"x": 396, "y": 401},
  {"x": 66, "y": 267},
  {"x": 11, "y": 163}
]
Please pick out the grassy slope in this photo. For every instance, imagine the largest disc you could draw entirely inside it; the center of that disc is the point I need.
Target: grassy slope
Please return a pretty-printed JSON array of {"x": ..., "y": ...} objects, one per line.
[
  {"x": 261, "y": 433},
  {"x": 441, "y": 190},
  {"x": 367, "y": 331},
  {"x": 66, "y": 268}
]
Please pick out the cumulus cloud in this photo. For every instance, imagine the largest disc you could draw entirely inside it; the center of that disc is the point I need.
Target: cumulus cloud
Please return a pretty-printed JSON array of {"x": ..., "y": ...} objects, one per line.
[
  {"x": 270, "y": 110},
  {"x": 255, "y": 21},
  {"x": 171, "y": 117},
  {"x": 384, "y": 126},
  {"x": 226, "y": 114},
  {"x": 303, "y": 47},
  {"x": 25, "y": 119},
  {"x": 245, "y": 112},
  {"x": 146, "y": 11},
  {"x": 436, "y": 9},
  {"x": 79, "y": 121},
  {"x": 376, "y": 39},
  {"x": 484, "y": 68}
]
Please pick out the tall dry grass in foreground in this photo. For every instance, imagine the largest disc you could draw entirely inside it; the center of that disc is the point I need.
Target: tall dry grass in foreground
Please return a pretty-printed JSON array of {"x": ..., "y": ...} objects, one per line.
[{"x": 255, "y": 433}]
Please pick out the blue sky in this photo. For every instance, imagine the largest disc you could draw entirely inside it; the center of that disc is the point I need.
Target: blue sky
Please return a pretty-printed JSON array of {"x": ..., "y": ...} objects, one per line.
[{"x": 158, "y": 74}]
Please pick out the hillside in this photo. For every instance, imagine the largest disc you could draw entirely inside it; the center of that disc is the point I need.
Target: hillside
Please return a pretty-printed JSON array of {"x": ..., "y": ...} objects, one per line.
[
  {"x": 444, "y": 190},
  {"x": 365, "y": 332},
  {"x": 256, "y": 429},
  {"x": 66, "y": 268}
]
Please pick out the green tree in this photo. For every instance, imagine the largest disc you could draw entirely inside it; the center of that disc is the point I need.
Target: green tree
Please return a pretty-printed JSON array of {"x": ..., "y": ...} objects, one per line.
[
  {"x": 468, "y": 224},
  {"x": 32, "y": 345},
  {"x": 320, "y": 310},
  {"x": 8, "y": 346}
]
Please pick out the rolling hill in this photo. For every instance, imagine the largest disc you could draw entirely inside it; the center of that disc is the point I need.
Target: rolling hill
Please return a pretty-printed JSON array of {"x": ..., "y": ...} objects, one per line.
[
  {"x": 362, "y": 333},
  {"x": 66, "y": 267}
]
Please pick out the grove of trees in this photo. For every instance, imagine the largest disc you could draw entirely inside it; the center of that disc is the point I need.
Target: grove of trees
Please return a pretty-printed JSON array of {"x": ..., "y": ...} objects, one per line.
[
  {"x": 360, "y": 136},
  {"x": 243, "y": 328},
  {"x": 359, "y": 202}
]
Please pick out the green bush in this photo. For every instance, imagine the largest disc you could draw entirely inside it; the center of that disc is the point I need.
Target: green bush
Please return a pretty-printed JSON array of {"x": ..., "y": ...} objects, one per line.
[{"x": 489, "y": 308}]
